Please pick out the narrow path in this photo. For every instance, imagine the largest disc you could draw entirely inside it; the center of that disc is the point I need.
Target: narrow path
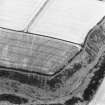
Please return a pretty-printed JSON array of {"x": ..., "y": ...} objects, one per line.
[{"x": 36, "y": 15}]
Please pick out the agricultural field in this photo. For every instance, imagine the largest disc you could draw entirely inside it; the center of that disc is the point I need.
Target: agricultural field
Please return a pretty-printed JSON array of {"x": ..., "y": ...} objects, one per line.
[{"x": 52, "y": 52}]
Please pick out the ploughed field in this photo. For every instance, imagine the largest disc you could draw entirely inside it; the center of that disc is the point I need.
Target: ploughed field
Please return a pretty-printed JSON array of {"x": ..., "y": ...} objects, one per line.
[
  {"x": 34, "y": 53},
  {"x": 37, "y": 70}
]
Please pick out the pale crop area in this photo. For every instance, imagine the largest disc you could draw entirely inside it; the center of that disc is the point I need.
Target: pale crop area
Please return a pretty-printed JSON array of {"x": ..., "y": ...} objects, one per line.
[
  {"x": 15, "y": 14},
  {"x": 65, "y": 19},
  {"x": 69, "y": 20}
]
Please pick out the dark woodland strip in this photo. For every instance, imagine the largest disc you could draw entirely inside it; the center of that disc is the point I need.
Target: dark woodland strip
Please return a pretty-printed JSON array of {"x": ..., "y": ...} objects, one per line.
[
  {"x": 95, "y": 80},
  {"x": 13, "y": 99},
  {"x": 23, "y": 78}
]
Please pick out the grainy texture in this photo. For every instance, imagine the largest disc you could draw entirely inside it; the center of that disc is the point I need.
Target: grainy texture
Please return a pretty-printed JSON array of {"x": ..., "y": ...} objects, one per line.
[
  {"x": 34, "y": 52},
  {"x": 75, "y": 83},
  {"x": 13, "y": 99}
]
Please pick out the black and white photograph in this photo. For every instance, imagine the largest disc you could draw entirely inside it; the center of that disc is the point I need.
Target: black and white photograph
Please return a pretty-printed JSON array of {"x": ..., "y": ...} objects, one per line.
[{"x": 52, "y": 52}]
